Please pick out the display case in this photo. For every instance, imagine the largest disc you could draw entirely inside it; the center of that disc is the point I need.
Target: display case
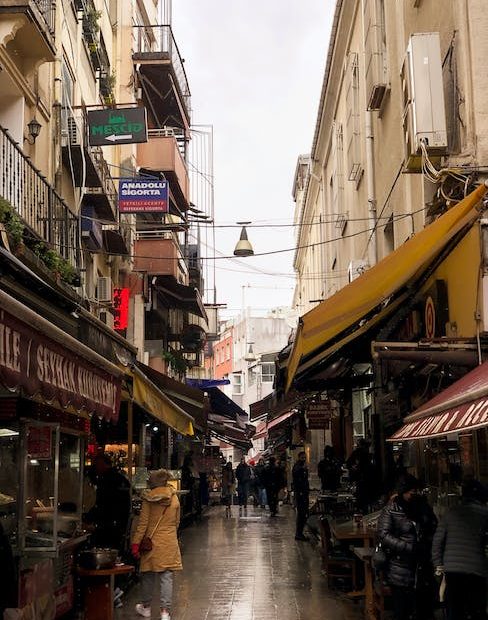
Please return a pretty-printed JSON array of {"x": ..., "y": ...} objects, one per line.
[{"x": 51, "y": 508}]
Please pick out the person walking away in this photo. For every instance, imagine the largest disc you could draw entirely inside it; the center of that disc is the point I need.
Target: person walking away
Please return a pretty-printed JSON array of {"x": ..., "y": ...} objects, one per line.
[
  {"x": 111, "y": 512},
  {"x": 228, "y": 485},
  {"x": 401, "y": 538},
  {"x": 458, "y": 551},
  {"x": 301, "y": 490},
  {"x": 259, "y": 478},
  {"x": 159, "y": 520},
  {"x": 329, "y": 471},
  {"x": 243, "y": 475},
  {"x": 273, "y": 483}
]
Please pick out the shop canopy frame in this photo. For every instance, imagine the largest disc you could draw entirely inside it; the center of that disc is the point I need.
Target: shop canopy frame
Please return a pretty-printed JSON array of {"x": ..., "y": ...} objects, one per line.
[
  {"x": 376, "y": 294},
  {"x": 463, "y": 406}
]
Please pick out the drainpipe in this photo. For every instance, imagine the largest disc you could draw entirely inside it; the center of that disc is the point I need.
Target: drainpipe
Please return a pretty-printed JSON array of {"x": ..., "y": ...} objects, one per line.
[
  {"x": 372, "y": 248},
  {"x": 371, "y": 189}
]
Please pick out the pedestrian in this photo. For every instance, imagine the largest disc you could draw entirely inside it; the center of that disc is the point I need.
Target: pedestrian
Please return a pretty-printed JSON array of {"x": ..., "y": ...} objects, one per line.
[
  {"x": 301, "y": 491},
  {"x": 329, "y": 470},
  {"x": 228, "y": 487},
  {"x": 159, "y": 520},
  {"x": 111, "y": 512},
  {"x": 259, "y": 480},
  {"x": 273, "y": 482},
  {"x": 363, "y": 475},
  {"x": 403, "y": 531},
  {"x": 243, "y": 475},
  {"x": 458, "y": 552}
]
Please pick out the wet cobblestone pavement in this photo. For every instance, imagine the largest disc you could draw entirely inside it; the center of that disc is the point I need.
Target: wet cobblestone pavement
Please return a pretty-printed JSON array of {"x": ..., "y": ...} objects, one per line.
[{"x": 248, "y": 569}]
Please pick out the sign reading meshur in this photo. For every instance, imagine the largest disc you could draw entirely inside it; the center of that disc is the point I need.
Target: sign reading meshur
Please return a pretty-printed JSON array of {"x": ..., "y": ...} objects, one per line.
[
  {"x": 118, "y": 126},
  {"x": 141, "y": 195}
]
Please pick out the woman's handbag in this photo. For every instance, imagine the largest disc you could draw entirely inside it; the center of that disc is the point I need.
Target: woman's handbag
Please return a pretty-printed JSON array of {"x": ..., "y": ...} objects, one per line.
[
  {"x": 146, "y": 543},
  {"x": 379, "y": 559}
]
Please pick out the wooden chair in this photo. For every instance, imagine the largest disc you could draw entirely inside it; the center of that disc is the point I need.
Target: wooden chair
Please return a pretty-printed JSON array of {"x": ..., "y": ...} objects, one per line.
[
  {"x": 381, "y": 592},
  {"x": 336, "y": 563}
]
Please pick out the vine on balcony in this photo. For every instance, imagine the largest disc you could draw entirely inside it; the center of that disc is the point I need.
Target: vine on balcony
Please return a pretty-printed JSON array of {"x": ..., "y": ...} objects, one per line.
[
  {"x": 175, "y": 360},
  {"x": 12, "y": 221}
]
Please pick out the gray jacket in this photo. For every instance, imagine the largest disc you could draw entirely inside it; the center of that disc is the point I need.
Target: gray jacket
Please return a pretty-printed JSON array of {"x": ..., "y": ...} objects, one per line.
[{"x": 460, "y": 539}]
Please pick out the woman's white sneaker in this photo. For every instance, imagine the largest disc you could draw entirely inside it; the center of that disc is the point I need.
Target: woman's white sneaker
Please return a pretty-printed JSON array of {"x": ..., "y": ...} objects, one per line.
[{"x": 165, "y": 615}]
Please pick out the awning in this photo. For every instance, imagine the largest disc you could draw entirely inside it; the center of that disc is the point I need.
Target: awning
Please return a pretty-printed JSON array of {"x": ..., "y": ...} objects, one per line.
[
  {"x": 205, "y": 384},
  {"x": 186, "y": 297},
  {"x": 231, "y": 435},
  {"x": 376, "y": 293},
  {"x": 281, "y": 419},
  {"x": 44, "y": 363},
  {"x": 463, "y": 406},
  {"x": 222, "y": 405},
  {"x": 148, "y": 396},
  {"x": 191, "y": 400}
]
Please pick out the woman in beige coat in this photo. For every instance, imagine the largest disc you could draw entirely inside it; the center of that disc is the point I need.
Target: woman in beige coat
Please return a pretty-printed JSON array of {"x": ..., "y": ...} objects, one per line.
[{"x": 159, "y": 520}]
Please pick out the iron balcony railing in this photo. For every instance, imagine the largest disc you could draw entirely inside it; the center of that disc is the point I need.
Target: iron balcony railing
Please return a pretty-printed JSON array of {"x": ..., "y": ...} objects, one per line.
[
  {"x": 36, "y": 201},
  {"x": 47, "y": 9},
  {"x": 159, "y": 39}
]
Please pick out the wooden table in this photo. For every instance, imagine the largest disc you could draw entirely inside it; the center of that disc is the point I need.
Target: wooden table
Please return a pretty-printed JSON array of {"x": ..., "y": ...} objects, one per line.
[
  {"x": 350, "y": 531},
  {"x": 365, "y": 554},
  {"x": 98, "y": 590}
]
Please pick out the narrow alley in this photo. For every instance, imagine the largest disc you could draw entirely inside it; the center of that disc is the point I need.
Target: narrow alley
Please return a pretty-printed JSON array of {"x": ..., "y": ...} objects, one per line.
[{"x": 249, "y": 569}]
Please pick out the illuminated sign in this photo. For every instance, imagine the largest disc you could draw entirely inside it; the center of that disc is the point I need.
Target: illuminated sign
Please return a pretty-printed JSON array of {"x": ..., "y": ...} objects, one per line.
[{"x": 121, "y": 308}]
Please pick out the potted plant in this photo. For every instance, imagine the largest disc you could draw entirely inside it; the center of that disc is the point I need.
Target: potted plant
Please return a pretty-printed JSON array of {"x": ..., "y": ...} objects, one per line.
[{"x": 12, "y": 222}]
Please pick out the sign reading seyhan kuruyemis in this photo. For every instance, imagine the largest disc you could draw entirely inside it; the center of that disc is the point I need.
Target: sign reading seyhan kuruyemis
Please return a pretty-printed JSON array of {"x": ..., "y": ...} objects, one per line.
[
  {"x": 117, "y": 126},
  {"x": 143, "y": 196}
]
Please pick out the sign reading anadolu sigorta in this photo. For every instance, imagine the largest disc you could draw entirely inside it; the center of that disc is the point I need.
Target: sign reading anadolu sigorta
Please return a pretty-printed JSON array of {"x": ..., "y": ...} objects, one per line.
[
  {"x": 143, "y": 196},
  {"x": 117, "y": 126},
  {"x": 38, "y": 366}
]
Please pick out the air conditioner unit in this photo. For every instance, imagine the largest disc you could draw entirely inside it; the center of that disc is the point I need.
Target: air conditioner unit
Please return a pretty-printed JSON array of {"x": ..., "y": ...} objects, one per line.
[
  {"x": 104, "y": 289},
  {"x": 356, "y": 268},
  {"x": 424, "y": 115},
  {"x": 72, "y": 134}
]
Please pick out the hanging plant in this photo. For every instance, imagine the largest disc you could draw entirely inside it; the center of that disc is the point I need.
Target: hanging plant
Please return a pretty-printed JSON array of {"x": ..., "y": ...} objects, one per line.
[
  {"x": 12, "y": 221},
  {"x": 175, "y": 360}
]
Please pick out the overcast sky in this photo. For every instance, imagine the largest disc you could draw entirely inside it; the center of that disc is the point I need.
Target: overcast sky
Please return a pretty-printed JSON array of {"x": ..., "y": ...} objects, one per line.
[{"x": 255, "y": 70}]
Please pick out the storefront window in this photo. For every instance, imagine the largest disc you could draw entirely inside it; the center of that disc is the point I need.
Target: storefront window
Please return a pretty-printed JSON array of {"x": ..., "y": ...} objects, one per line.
[
  {"x": 40, "y": 486},
  {"x": 9, "y": 479}
]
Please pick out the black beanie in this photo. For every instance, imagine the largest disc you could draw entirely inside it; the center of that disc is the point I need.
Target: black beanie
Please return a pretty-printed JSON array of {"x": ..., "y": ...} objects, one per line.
[{"x": 407, "y": 483}]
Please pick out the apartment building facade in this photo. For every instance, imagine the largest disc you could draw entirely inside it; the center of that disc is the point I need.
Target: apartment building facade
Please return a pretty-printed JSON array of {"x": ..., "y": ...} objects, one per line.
[{"x": 400, "y": 142}]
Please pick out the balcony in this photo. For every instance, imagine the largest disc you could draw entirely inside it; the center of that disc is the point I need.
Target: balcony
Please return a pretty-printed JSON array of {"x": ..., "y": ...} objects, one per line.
[
  {"x": 43, "y": 211},
  {"x": 30, "y": 23},
  {"x": 161, "y": 75},
  {"x": 89, "y": 167},
  {"x": 161, "y": 153},
  {"x": 160, "y": 255}
]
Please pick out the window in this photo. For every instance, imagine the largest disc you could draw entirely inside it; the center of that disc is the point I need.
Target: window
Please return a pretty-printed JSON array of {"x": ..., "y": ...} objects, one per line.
[
  {"x": 389, "y": 234},
  {"x": 227, "y": 351},
  {"x": 353, "y": 128},
  {"x": 237, "y": 383},
  {"x": 267, "y": 372}
]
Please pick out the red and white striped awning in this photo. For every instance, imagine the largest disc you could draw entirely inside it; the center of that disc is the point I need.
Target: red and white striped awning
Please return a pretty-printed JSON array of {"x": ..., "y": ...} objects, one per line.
[{"x": 462, "y": 406}]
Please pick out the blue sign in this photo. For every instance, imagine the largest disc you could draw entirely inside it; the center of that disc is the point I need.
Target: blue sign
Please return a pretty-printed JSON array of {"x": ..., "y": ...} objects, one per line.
[{"x": 143, "y": 196}]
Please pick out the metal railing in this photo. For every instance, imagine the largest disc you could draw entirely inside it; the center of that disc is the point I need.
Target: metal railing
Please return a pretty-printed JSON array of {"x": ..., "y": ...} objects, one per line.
[
  {"x": 47, "y": 9},
  {"x": 152, "y": 39},
  {"x": 36, "y": 201}
]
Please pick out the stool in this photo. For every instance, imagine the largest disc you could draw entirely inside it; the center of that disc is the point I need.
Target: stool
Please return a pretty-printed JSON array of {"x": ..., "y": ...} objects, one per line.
[{"x": 98, "y": 591}]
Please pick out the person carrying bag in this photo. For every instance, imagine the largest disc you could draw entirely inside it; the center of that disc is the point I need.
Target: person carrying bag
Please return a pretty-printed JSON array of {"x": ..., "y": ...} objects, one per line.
[{"x": 158, "y": 551}]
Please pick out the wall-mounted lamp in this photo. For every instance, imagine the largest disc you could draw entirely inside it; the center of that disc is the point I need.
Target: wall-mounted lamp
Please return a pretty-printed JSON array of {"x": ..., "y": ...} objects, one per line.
[
  {"x": 34, "y": 127},
  {"x": 243, "y": 246}
]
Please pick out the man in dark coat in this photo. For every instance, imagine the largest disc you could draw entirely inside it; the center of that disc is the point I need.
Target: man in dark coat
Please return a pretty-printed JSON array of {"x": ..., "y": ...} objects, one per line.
[
  {"x": 110, "y": 514},
  {"x": 458, "y": 551},
  {"x": 301, "y": 490},
  {"x": 329, "y": 470},
  {"x": 404, "y": 529},
  {"x": 243, "y": 476},
  {"x": 273, "y": 483}
]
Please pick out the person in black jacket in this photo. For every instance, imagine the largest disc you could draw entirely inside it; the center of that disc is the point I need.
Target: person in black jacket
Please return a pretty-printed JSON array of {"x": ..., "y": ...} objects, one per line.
[
  {"x": 273, "y": 483},
  {"x": 110, "y": 514},
  {"x": 329, "y": 470},
  {"x": 458, "y": 551},
  {"x": 405, "y": 529},
  {"x": 244, "y": 476},
  {"x": 301, "y": 490}
]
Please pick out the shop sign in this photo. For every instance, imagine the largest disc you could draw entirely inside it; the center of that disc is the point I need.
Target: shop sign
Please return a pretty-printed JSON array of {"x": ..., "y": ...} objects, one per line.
[
  {"x": 39, "y": 442},
  {"x": 141, "y": 195},
  {"x": 39, "y": 366},
  {"x": 119, "y": 126},
  {"x": 318, "y": 423},
  {"x": 121, "y": 308}
]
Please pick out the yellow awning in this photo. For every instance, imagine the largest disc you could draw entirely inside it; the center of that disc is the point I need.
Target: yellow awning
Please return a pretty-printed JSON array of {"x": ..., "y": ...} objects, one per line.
[
  {"x": 149, "y": 397},
  {"x": 328, "y": 320}
]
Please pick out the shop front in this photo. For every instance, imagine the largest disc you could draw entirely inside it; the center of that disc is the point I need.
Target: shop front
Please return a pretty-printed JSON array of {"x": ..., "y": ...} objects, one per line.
[{"x": 50, "y": 385}]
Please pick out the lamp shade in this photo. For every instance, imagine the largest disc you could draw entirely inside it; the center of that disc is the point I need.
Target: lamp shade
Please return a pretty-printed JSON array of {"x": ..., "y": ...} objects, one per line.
[
  {"x": 250, "y": 355},
  {"x": 243, "y": 246},
  {"x": 34, "y": 128}
]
